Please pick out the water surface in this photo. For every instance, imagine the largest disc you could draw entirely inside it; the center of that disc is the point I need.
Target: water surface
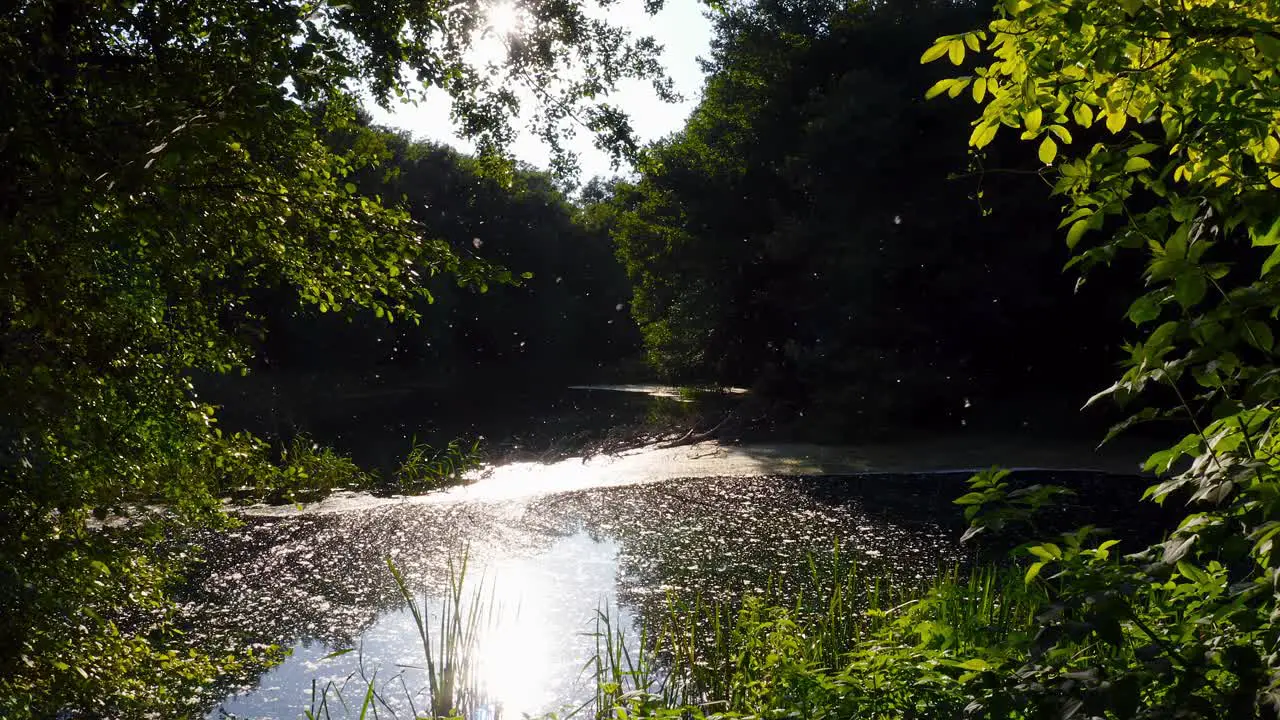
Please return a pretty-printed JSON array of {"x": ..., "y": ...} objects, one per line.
[{"x": 318, "y": 582}]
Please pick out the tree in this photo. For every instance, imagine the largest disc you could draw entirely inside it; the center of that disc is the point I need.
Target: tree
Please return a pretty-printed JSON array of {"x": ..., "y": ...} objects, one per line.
[
  {"x": 805, "y": 233},
  {"x": 556, "y": 324},
  {"x": 162, "y": 161},
  {"x": 1158, "y": 124}
]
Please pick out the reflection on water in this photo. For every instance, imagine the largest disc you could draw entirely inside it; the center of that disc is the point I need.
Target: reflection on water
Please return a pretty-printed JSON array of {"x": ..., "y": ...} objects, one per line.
[
  {"x": 319, "y": 583},
  {"x": 535, "y": 631}
]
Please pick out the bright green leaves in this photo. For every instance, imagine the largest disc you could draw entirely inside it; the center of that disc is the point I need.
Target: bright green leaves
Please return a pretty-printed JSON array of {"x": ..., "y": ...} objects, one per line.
[
  {"x": 1083, "y": 115},
  {"x": 979, "y": 89},
  {"x": 1061, "y": 133},
  {"x": 1032, "y": 119},
  {"x": 1077, "y": 231},
  {"x": 1184, "y": 178},
  {"x": 953, "y": 47},
  {"x": 1048, "y": 151},
  {"x": 934, "y": 52},
  {"x": 983, "y": 134},
  {"x": 952, "y": 86},
  {"x": 1137, "y": 164},
  {"x": 1116, "y": 120},
  {"x": 1265, "y": 234}
]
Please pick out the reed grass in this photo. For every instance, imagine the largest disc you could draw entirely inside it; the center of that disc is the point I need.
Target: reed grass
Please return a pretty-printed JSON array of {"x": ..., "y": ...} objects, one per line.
[
  {"x": 759, "y": 655},
  {"x": 852, "y": 644},
  {"x": 450, "y": 645}
]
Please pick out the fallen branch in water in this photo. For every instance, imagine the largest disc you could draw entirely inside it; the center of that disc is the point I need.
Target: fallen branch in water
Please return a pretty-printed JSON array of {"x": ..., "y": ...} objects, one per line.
[{"x": 693, "y": 438}]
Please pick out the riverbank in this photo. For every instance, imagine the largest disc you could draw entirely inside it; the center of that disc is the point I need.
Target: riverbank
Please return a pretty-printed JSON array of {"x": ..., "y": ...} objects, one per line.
[{"x": 658, "y": 463}]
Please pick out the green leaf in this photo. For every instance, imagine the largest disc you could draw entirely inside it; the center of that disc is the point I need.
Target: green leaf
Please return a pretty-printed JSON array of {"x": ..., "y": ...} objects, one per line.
[
  {"x": 1143, "y": 310},
  {"x": 1046, "y": 552},
  {"x": 1193, "y": 573},
  {"x": 1258, "y": 334},
  {"x": 1048, "y": 151},
  {"x": 1077, "y": 231},
  {"x": 1268, "y": 45},
  {"x": 938, "y": 88},
  {"x": 983, "y": 134},
  {"x": 1061, "y": 133},
  {"x": 955, "y": 51},
  {"x": 938, "y": 50},
  {"x": 1136, "y": 164},
  {"x": 1131, "y": 7},
  {"x": 1116, "y": 120},
  {"x": 1271, "y": 261},
  {"x": 1171, "y": 123},
  {"x": 1032, "y": 119},
  {"x": 350, "y": 188},
  {"x": 1083, "y": 115},
  {"x": 979, "y": 89},
  {"x": 1265, "y": 237},
  {"x": 1189, "y": 287},
  {"x": 1033, "y": 571}
]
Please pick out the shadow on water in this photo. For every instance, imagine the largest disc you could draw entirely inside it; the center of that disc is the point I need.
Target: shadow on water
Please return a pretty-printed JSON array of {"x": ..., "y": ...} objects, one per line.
[
  {"x": 376, "y": 423},
  {"x": 317, "y": 583}
]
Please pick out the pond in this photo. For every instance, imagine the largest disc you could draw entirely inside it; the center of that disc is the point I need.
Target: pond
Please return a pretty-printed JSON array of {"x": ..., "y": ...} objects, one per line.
[
  {"x": 317, "y": 581},
  {"x": 550, "y": 546}
]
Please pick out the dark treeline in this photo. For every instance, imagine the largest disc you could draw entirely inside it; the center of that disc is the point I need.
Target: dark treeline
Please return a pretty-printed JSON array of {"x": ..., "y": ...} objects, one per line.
[
  {"x": 818, "y": 231},
  {"x": 562, "y": 316}
]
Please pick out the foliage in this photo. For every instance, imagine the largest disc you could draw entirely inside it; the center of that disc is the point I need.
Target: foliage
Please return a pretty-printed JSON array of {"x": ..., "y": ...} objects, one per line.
[
  {"x": 426, "y": 468},
  {"x": 1157, "y": 123},
  {"x": 309, "y": 471},
  {"x": 804, "y": 234},
  {"x": 1177, "y": 163},
  {"x": 560, "y": 319},
  {"x": 859, "y": 650},
  {"x": 164, "y": 162}
]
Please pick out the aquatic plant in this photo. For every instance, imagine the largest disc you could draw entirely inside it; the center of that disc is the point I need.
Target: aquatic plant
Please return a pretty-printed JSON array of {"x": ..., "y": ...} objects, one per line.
[
  {"x": 450, "y": 653},
  {"x": 860, "y": 647},
  {"x": 427, "y": 468}
]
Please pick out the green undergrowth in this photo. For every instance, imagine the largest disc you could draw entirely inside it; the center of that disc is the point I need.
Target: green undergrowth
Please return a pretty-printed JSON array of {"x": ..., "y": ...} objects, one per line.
[
  {"x": 308, "y": 471},
  {"x": 861, "y": 648},
  {"x": 1067, "y": 627}
]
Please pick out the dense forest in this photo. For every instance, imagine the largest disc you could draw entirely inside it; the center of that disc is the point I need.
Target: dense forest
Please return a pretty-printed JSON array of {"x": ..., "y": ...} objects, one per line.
[
  {"x": 559, "y": 316},
  {"x": 865, "y": 249},
  {"x": 194, "y": 201}
]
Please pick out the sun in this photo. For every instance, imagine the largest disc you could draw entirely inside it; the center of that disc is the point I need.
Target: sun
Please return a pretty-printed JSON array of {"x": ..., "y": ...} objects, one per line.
[{"x": 505, "y": 19}]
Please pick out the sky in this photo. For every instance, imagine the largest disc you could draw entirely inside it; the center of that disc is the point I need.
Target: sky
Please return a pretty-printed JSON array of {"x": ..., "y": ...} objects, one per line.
[{"x": 685, "y": 36}]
